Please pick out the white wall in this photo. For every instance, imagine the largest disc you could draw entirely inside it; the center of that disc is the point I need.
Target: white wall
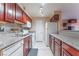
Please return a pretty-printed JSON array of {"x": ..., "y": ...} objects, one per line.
[
  {"x": 34, "y": 20},
  {"x": 70, "y": 10}
]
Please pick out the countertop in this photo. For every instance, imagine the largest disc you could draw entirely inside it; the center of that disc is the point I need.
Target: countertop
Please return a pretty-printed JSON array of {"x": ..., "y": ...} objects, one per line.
[
  {"x": 8, "y": 40},
  {"x": 74, "y": 42}
]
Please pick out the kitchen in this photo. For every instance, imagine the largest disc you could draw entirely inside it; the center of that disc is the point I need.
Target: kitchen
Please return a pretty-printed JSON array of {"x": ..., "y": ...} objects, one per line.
[{"x": 39, "y": 29}]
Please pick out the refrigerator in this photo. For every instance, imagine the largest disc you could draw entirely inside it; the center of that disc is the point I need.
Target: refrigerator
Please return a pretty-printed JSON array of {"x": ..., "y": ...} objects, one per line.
[{"x": 51, "y": 28}]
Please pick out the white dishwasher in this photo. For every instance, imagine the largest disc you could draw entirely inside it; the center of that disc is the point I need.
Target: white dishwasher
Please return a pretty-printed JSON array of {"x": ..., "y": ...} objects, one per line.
[
  {"x": 19, "y": 52},
  {"x": 13, "y": 49},
  {"x": 33, "y": 39}
]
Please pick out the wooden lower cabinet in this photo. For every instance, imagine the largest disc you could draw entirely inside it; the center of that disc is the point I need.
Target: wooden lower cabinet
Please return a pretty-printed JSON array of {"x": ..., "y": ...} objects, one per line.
[
  {"x": 69, "y": 51},
  {"x": 57, "y": 49},
  {"x": 19, "y": 48},
  {"x": 51, "y": 44},
  {"x": 65, "y": 53},
  {"x": 27, "y": 45},
  {"x": 60, "y": 48}
]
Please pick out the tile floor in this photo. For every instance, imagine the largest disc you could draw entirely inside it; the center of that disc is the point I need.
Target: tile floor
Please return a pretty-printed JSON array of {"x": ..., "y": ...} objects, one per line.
[{"x": 43, "y": 50}]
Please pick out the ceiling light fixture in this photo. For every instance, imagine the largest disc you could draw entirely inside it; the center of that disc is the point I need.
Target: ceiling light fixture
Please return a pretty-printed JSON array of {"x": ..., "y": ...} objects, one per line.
[
  {"x": 41, "y": 7},
  {"x": 43, "y": 4}
]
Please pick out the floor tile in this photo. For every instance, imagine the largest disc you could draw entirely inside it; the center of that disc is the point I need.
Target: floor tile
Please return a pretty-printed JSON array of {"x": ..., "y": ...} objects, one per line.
[{"x": 43, "y": 50}]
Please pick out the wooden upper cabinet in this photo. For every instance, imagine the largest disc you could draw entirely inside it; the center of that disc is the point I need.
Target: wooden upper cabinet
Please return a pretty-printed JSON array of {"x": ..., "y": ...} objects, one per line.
[
  {"x": 72, "y": 21},
  {"x": 19, "y": 13},
  {"x": 1, "y": 11},
  {"x": 10, "y": 12},
  {"x": 55, "y": 18},
  {"x": 13, "y": 11},
  {"x": 24, "y": 18},
  {"x": 29, "y": 19}
]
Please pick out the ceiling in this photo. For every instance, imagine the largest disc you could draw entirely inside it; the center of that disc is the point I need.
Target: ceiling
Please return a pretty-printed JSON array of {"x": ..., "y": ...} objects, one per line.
[
  {"x": 69, "y": 10},
  {"x": 33, "y": 9}
]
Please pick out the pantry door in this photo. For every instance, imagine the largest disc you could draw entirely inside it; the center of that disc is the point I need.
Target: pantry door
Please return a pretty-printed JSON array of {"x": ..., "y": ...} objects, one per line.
[{"x": 40, "y": 26}]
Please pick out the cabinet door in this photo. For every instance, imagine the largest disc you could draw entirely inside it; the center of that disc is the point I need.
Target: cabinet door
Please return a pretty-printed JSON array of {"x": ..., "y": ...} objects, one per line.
[
  {"x": 53, "y": 46},
  {"x": 9, "y": 12},
  {"x": 57, "y": 49},
  {"x": 14, "y": 13},
  {"x": 71, "y": 50},
  {"x": 65, "y": 53},
  {"x": 1, "y": 11},
  {"x": 24, "y": 18},
  {"x": 26, "y": 46},
  {"x": 19, "y": 13}
]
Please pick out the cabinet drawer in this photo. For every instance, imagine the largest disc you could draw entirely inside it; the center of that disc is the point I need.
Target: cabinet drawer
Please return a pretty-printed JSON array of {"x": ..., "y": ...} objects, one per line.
[
  {"x": 70, "y": 49},
  {"x": 12, "y": 48},
  {"x": 57, "y": 49},
  {"x": 1, "y": 11},
  {"x": 65, "y": 53},
  {"x": 57, "y": 41}
]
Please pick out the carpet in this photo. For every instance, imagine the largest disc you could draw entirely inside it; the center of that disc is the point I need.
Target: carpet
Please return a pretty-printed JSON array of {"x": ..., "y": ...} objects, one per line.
[{"x": 33, "y": 52}]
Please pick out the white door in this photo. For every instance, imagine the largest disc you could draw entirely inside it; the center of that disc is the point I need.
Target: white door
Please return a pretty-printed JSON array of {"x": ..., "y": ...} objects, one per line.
[{"x": 40, "y": 25}]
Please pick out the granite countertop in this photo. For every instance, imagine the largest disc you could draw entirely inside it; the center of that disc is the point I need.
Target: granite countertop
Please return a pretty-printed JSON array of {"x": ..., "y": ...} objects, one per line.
[
  {"x": 74, "y": 42},
  {"x": 8, "y": 40}
]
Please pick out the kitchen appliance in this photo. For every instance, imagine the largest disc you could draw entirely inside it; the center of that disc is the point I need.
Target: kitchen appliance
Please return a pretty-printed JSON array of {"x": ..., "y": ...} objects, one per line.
[
  {"x": 33, "y": 38},
  {"x": 51, "y": 27}
]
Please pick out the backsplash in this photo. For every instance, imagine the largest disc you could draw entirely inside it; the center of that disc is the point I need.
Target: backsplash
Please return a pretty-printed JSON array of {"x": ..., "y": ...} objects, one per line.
[
  {"x": 9, "y": 27},
  {"x": 18, "y": 30}
]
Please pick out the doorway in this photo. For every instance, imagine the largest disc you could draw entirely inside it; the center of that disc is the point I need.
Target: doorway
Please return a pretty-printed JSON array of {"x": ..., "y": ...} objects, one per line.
[{"x": 40, "y": 28}]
